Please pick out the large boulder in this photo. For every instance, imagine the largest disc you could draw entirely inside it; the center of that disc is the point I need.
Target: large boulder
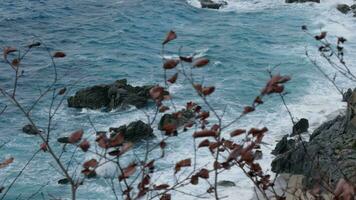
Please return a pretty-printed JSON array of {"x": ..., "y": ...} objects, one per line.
[
  {"x": 344, "y": 8},
  {"x": 134, "y": 131},
  {"x": 302, "y": 1},
  {"x": 211, "y": 4},
  {"x": 330, "y": 152},
  {"x": 110, "y": 96}
]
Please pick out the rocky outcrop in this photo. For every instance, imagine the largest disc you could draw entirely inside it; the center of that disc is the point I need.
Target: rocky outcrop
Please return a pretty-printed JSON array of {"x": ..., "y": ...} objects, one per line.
[
  {"x": 211, "y": 4},
  {"x": 346, "y": 9},
  {"x": 177, "y": 119},
  {"x": 302, "y": 1},
  {"x": 330, "y": 152},
  {"x": 29, "y": 129},
  {"x": 110, "y": 96},
  {"x": 134, "y": 131}
]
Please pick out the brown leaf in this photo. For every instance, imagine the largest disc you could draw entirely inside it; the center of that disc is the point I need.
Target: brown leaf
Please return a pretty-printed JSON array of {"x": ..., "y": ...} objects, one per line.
[
  {"x": 84, "y": 145},
  {"x": 345, "y": 190},
  {"x": 6, "y": 162},
  {"x": 128, "y": 171},
  {"x": 173, "y": 79},
  {"x": 205, "y": 133},
  {"x": 8, "y": 50},
  {"x": 170, "y": 64},
  {"x": 170, "y": 36},
  {"x": 237, "y": 132},
  {"x": 163, "y": 109},
  {"x": 248, "y": 109},
  {"x": 156, "y": 92},
  {"x": 204, "y": 115},
  {"x": 165, "y": 197},
  {"x": 76, "y": 136},
  {"x": 194, "y": 180},
  {"x": 161, "y": 187},
  {"x": 321, "y": 36},
  {"x": 204, "y": 143},
  {"x": 182, "y": 163},
  {"x": 15, "y": 62},
  {"x": 203, "y": 173},
  {"x": 90, "y": 163},
  {"x": 59, "y": 54},
  {"x": 208, "y": 90},
  {"x": 117, "y": 140},
  {"x": 201, "y": 62}
]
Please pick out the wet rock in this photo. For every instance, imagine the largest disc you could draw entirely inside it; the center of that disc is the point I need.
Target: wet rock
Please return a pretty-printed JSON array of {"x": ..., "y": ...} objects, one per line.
[
  {"x": 135, "y": 131},
  {"x": 300, "y": 127},
  {"x": 344, "y": 8},
  {"x": 283, "y": 145},
  {"x": 211, "y": 4},
  {"x": 330, "y": 152},
  {"x": 110, "y": 96},
  {"x": 225, "y": 183},
  {"x": 177, "y": 119},
  {"x": 302, "y": 1},
  {"x": 29, "y": 129}
]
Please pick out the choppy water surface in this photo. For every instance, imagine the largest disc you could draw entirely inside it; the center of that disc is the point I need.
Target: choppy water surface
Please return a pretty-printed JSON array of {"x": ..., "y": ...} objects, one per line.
[{"x": 115, "y": 39}]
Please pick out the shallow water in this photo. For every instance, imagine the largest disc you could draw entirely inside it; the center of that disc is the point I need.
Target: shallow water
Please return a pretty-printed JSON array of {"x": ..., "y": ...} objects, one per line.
[{"x": 114, "y": 39}]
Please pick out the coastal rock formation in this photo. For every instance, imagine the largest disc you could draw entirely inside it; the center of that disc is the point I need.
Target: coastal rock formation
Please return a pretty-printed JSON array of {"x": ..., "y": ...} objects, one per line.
[
  {"x": 110, "y": 96},
  {"x": 302, "y": 1},
  {"x": 134, "y": 131},
  {"x": 330, "y": 152},
  {"x": 345, "y": 9},
  {"x": 211, "y": 4},
  {"x": 177, "y": 119}
]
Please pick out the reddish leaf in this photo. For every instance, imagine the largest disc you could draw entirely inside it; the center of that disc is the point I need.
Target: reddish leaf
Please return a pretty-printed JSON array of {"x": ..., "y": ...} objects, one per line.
[
  {"x": 215, "y": 127},
  {"x": 208, "y": 90},
  {"x": 237, "y": 132},
  {"x": 169, "y": 128},
  {"x": 255, "y": 132},
  {"x": 6, "y": 162},
  {"x": 248, "y": 109},
  {"x": 44, "y": 147},
  {"x": 204, "y": 115},
  {"x": 90, "y": 163},
  {"x": 198, "y": 88},
  {"x": 117, "y": 140},
  {"x": 8, "y": 50},
  {"x": 170, "y": 36},
  {"x": 204, "y": 143},
  {"x": 205, "y": 133},
  {"x": 217, "y": 165},
  {"x": 173, "y": 79},
  {"x": 15, "y": 62},
  {"x": 84, "y": 145},
  {"x": 128, "y": 171},
  {"x": 201, "y": 62},
  {"x": 170, "y": 64},
  {"x": 59, "y": 54},
  {"x": 183, "y": 163},
  {"x": 258, "y": 100},
  {"x": 156, "y": 92},
  {"x": 203, "y": 173},
  {"x": 76, "y": 136},
  {"x": 321, "y": 36}
]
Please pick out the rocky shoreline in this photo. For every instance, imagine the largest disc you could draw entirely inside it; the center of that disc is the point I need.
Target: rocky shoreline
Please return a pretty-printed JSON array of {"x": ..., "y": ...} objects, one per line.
[{"x": 328, "y": 156}]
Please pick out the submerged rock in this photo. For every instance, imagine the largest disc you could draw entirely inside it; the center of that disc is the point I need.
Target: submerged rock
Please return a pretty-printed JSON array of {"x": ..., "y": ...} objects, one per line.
[
  {"x": 302, "y": 1},
  {"x": 110, "y": 96},
  {"x": 211, "y": 4},
  {"x": 29, "y": 129},
  {"x": 330, "y": 152},
  {"x": 135, "y": 131},
  {"x": 225, "y": 183}
]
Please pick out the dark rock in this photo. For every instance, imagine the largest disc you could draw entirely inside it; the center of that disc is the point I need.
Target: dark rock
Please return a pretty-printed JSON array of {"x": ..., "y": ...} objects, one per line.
[
  {"x": 225, "y": 183},
  {"x": 29, "y": 129},
  {"x": 283, "y": 146},
  {"x": 111, "y": 96},
  {"x": 344, "y": 8},
  {"x": 211, "y": 4},
  {"x": 300, "y": 127},
  {"x": 177, "y": 119},
  {"x": 302, "y": 1},
  {"x": 353, "y": 7},
  {"x": 330, "y": 152},
  {"x": 135, "y": 131}
]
